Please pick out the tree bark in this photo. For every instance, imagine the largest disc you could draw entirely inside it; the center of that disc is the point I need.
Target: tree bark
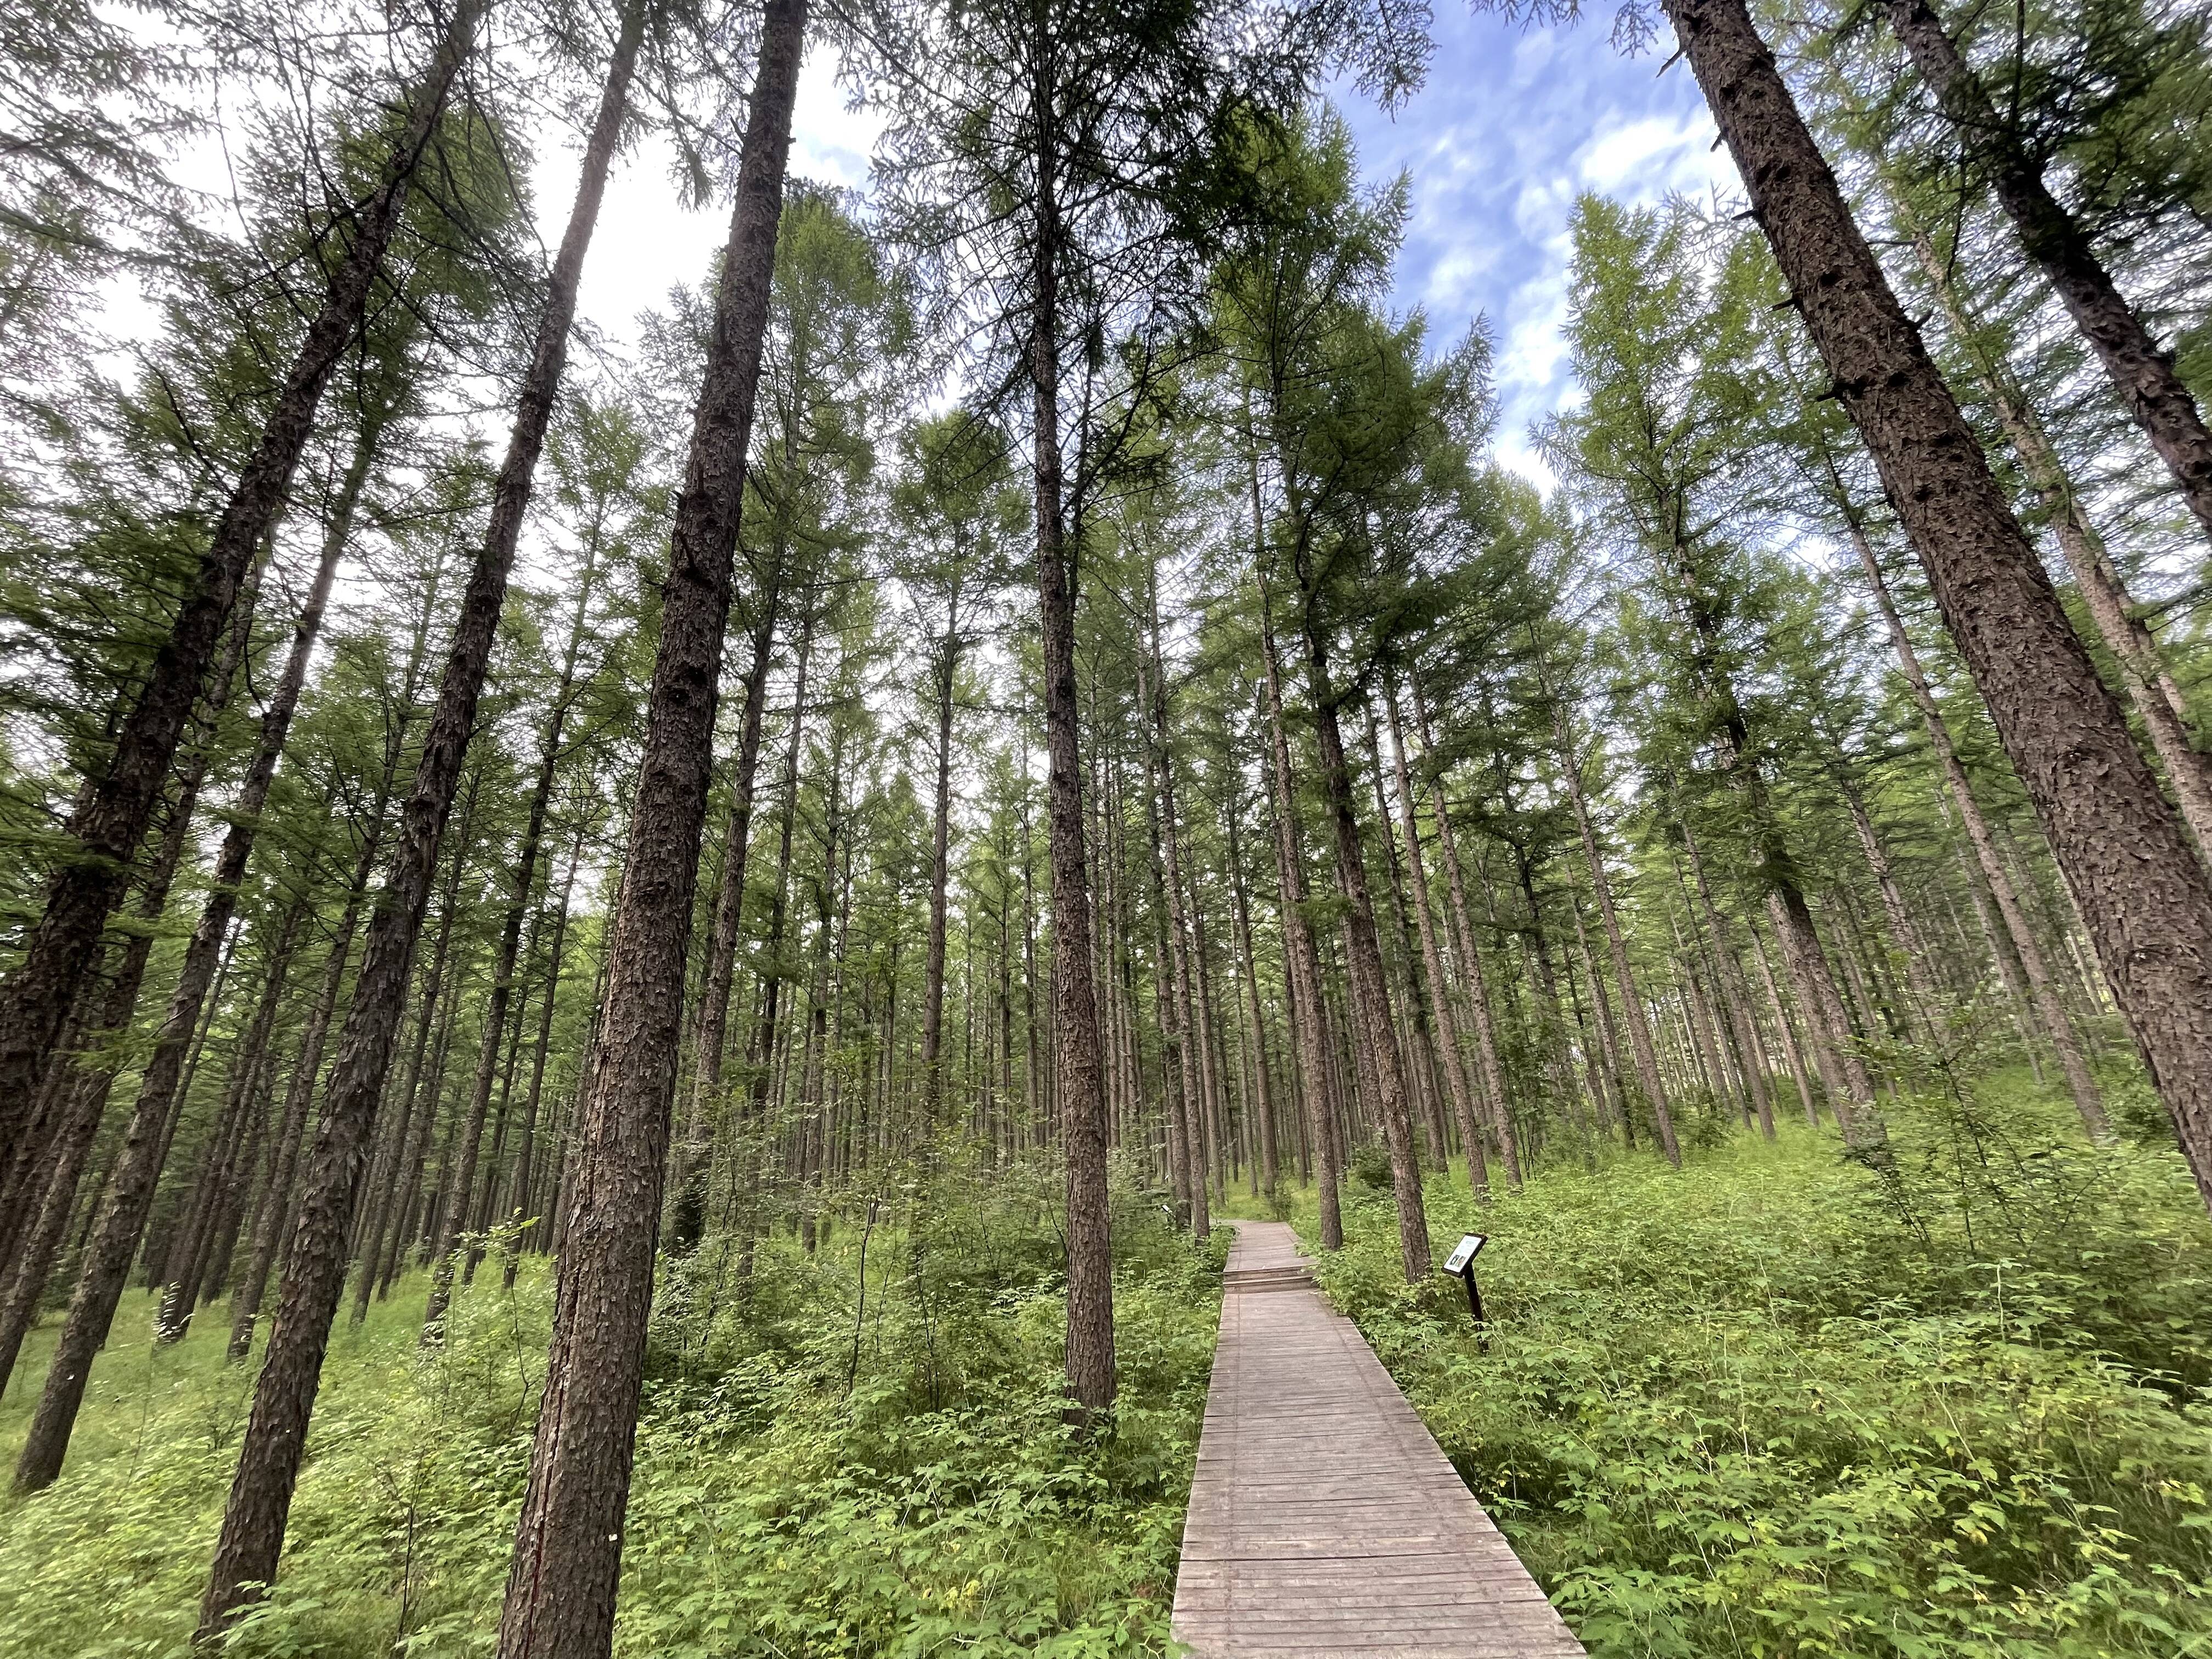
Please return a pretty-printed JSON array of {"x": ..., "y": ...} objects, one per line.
[
  {"x": 523, "y": 884},
  {"x": 2150, "y": 683},
  {"x": 35, "y": 999},
  {"x": 1370, "y": 994},
  {"x": 2143, "y": 374},
  {"x": 1303, "y": 953},
  {"x": 560, "y": 1599},
  {"x": 1085, "y": 1128},
  {"x": 314, "y": 1277},
  {"x": 710, "y": 1024},
  {"x": 1631, "y": 1004},
  {"x": 1433, "y": 964},
  {"x": 2123, "y": 851},
  {"x": 2050, "y": 1011},
  {"x": 940, "y": 868}
]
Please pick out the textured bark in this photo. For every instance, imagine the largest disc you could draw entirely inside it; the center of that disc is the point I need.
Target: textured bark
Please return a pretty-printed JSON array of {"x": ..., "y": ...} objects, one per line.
[
  {"x": 35, "y": 999},
  {"x": 2143, "y": 373},
  {"x": 2050, "y": 1011},
  {"x": 1734, "y": 992},
  {"x": 1303, "y": 957},
  {"x": 252, "y": 1534},
  {"x": 522, "y": 885},
  {"x": 2150, "y": 683},
  {"x": 560, "y": 1599},
  {"x": 944, "y": 670},
  {"x": 1371, "y": 995},
  {"x": 1632, "y": 1004},
  {"x": 2122, "y": 849},
  {"x": 711, "y": 1020},
  {"x": 1269, "y": 1154},
  {"x": 1076, "y": 1061},
  {"x": 1432, "y": 964}
]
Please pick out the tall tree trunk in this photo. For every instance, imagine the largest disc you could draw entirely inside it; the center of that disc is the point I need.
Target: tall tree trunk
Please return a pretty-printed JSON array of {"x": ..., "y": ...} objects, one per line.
[
  {"x": 1370, "y": 995},
  {"x": 560, "y": 1599},
  {"x": 2123, "y": 851},
  {"x": 35, "y": 999},
  {"x": 522, "y": 1188},
  {"x": 940, "y": 868},
  {"x": 710, "y": 1023},
  {"x": 1433, "y": 964},
  {"x": 2150, "y": 683},
  {"x": 1734, "y": 993},
  {"x": 314, "y": 1277},
  {"x": 2143, "y": 374},
  {"x": 1085, "y": 1125},
  {"x": 159, "y": 1086},
  {"x": 1264, "y": 1104},
  {"x": 1490, "y": 1073},
  {"x": 2050, "y": 1011},
  {"x": 523, "y": 884},
  {"x": 1303, "y": 953},
  {"x": 1632, "y": 1004},
  {"x": 1181, "y": 1028}
]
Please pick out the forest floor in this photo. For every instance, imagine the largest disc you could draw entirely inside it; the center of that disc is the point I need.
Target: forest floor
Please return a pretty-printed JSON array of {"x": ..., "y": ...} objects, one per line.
[
  {"x": 795, "y": 1495},
  {"x": 1783, "y": 1404},
  {"x": 1778, "y": 1404}
]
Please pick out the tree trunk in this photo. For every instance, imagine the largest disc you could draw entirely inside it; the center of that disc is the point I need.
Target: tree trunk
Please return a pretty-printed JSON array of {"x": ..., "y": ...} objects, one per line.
[
  {"x": 1631, "y": 1004},
  {"x": 523, "y": 884},
  {"x": 940, "y": 870},
  {"x": 1490, "y": 1073},
  {"x": 560, "y": 1599},
  {"x": 1302, "y": 954},
  {"x": 710, "y": 1024},
  {"x": 1089, "y": 1357},
  {"x": 2140, "y": 372},
  {"x": 2123, "y": 851},
  {"x": 314, "y": 1277},
  {"x": 1433, "y": 964},
  {"x": 1734, "y": 992},
  {"x": 1364, "y": 961},
  {"x": 1249, "y": 979},
  {"x": 2050, "y": 1011},
  {"x": 35, "y": 999},
  {"x": 2150, "y": 683}
]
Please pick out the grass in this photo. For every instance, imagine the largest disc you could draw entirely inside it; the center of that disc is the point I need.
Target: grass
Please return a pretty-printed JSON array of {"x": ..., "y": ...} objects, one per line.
[
  {"x": 933, "y": 1504},
  {"x": 1783, "y": 1404}
]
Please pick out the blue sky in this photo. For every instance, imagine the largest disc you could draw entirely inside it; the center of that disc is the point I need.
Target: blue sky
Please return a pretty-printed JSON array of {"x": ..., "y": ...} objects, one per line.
[{"x": 1512, "y": 125}]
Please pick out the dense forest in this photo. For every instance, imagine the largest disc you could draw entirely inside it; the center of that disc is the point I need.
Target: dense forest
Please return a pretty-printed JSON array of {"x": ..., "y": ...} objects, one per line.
[{"x": 639, "y": 976}]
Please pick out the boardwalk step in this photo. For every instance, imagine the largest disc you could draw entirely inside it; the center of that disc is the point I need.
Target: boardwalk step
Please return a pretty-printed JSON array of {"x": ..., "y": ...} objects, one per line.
[{"x": 1324, "y": 1518}]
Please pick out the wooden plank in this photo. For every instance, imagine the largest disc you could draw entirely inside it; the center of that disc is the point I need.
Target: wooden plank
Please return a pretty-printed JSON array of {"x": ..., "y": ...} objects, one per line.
[{"x": 1324, "y": 1518}]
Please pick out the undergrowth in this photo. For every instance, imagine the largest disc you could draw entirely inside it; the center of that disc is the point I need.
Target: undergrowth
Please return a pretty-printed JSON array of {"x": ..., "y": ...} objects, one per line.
[
  {"x": 817, "y": 1474},
  {"x": 1785, "y": 1404}
]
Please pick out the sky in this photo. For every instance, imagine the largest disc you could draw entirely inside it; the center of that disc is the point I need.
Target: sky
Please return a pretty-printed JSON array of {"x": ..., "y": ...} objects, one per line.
[{"x": 1512, "y": 125}]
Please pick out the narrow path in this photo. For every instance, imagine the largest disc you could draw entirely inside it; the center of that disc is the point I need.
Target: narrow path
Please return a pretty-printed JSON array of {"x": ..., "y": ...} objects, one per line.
[{"x": 1324, "y": 1518}]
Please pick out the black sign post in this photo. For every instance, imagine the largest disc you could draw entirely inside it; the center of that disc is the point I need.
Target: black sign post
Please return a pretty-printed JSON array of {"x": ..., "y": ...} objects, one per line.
[{"x": 1461, "y": 1262}]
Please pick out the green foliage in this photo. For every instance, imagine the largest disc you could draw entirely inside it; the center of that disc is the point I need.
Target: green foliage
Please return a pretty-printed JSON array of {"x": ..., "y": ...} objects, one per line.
[
  {"x": 799, "y": 1489},
  {"x": 1774, "y": 1405}
]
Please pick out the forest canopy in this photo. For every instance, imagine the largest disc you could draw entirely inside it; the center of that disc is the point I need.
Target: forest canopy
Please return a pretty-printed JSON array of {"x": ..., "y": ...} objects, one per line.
[{"x": 638, "y": 968}]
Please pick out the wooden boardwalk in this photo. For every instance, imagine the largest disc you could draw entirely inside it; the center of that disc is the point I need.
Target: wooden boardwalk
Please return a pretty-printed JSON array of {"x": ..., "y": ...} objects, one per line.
[{"x": 1324, "y": 1518}]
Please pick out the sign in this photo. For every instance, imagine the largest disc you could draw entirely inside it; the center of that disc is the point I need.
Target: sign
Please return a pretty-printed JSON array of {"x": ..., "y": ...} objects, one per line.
[{"x": 1469, "y": 1244}]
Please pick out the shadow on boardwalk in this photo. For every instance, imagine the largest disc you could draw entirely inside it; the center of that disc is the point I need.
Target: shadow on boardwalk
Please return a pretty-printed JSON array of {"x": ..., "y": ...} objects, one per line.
[{"x": 1324, "y": 1518}]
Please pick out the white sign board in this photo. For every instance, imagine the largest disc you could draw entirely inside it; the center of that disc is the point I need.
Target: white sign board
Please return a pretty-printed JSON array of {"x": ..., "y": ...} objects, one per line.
[{"x": 1468, "y": 1245}]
